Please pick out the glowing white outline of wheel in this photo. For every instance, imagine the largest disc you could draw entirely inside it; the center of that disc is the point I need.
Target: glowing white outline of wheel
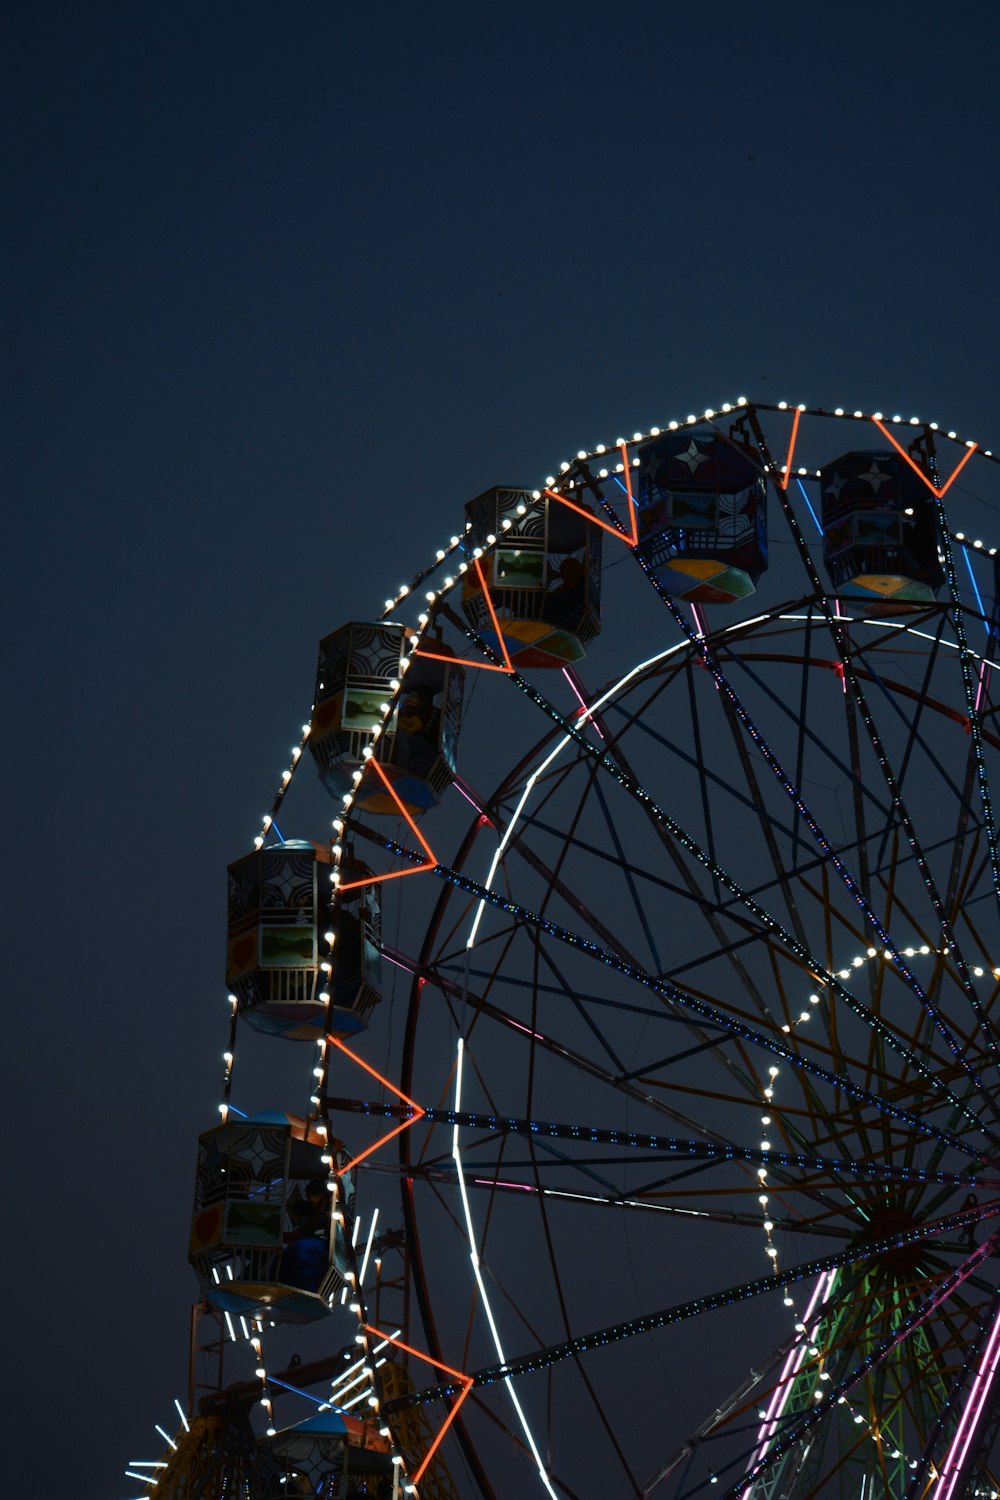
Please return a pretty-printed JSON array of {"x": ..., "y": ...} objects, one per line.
[
  {"x": 586, "y": 715},
  {"x": 474, "y": 1258}
]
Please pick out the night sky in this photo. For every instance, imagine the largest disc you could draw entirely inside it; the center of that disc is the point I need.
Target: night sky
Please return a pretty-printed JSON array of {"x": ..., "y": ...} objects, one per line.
[{"x": 284, "y": 287}]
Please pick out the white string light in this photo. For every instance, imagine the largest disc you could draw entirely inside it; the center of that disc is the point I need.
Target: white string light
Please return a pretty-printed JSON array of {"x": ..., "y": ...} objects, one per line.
[
  {"x": 805, "y": 1340},
  {"x": 440, "y": 590},
  {"x": 477, "y": 1272}
]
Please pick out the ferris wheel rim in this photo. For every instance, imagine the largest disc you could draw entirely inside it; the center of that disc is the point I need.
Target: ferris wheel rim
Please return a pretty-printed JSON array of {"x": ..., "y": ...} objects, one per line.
[
  {"x": 413, "y": 1009},
  {"x": 405, "y": 1140}
]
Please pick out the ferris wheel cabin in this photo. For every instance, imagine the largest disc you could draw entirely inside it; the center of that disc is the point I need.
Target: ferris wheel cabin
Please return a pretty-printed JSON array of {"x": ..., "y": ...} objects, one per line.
[
  {"x": 278, "y": 897},
  {"x": 259, "y": 1245},
  {"x": 360, "y": 667},
  {"x": 879, "y": 529},
  {"x": 702, "y": 515},
  {"x": 543, "y": 577},
  {"x": 323, "y": 1452}
]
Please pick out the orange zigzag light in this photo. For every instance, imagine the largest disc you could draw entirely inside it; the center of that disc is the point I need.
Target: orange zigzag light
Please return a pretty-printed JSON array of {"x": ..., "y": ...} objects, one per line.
[
  {"x": 465, "y": 661},
  {"x": 791, "y": 449},
  {"x": 429, "y": 864},
  {"x": 940, "y": 493},
  {"x": 467, "y": 1383},
  {"x": 418, "y": 1112},
  {"x": 632, "y": 539}
]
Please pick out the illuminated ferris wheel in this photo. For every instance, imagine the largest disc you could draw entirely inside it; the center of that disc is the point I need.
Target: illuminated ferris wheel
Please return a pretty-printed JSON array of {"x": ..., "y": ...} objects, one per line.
[{"x": 648, "y": 983}]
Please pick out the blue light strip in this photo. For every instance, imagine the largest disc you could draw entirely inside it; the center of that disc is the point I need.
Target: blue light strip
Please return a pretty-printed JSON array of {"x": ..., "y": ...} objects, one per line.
[
  {"x": 975, "y": 590},
  {"x": 972, "y": 1353},
  {"x": 297, "y": 1391},
  {"x": 809, "y": 505}
]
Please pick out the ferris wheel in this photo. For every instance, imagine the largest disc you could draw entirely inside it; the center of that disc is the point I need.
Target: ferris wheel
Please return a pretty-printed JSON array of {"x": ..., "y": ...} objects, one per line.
[{"x": 648, "y": 981}]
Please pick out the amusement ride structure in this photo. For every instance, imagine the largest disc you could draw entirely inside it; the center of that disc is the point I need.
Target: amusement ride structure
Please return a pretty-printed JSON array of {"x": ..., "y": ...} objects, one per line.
[{"x": 644, "y": 993}]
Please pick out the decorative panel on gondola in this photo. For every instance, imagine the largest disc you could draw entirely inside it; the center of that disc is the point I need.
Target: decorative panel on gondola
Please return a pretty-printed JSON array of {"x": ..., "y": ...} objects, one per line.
[
  {"x": 879, "y": 529},
  {"x": 543, "y": 575},
  {"x": 278, "y": 907},
  {"x": 245, "y": 1182},
  {"x": 701, "y": 501},
  {"x": 360, "y": 667},
  {"x": 276, "y": 897},
  {"x": 261, "y": 1226}
]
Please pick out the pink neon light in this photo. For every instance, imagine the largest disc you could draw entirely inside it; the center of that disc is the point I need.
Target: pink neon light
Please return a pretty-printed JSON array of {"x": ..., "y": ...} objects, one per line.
[
  {"x": 406, "y": 968},
  {"x": 525, "y": 1187},
  {"x": 526, "y": 1029},
  {"x": 468, "y": 799},
  {"x": 784, "y": 1386},
  {"x": 576, "y": 693},
  {"x": 984, "y": 670},
  {"x": 970, "y": 1418}
]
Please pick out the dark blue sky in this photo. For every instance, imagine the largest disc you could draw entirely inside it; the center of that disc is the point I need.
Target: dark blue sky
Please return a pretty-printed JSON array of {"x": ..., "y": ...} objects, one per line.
[{"x": 284, "y": 286}]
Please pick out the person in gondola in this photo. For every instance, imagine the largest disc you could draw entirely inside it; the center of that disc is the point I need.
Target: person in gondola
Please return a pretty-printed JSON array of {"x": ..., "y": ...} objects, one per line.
[
  {"x": 564, "y": 603},
  {"x": 306, "y": 1256},
  {"x": 417, "y": 731}
]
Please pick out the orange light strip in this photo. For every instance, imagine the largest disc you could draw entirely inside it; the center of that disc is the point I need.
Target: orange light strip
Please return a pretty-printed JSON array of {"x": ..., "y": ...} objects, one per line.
[
  {"x": 632, "y": 540},
  {"x": 508, "y": 664},
  {"x": 634, "y": 534},
  {"x": 351, "y": 885},
  {"x": 791, "y": 448},
  {"x": 418, "y": 1111},
  {"x": 483, "y": 666},
  {"x": 940, "y": 493},
  {"x": 467, "y": 1382}
]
